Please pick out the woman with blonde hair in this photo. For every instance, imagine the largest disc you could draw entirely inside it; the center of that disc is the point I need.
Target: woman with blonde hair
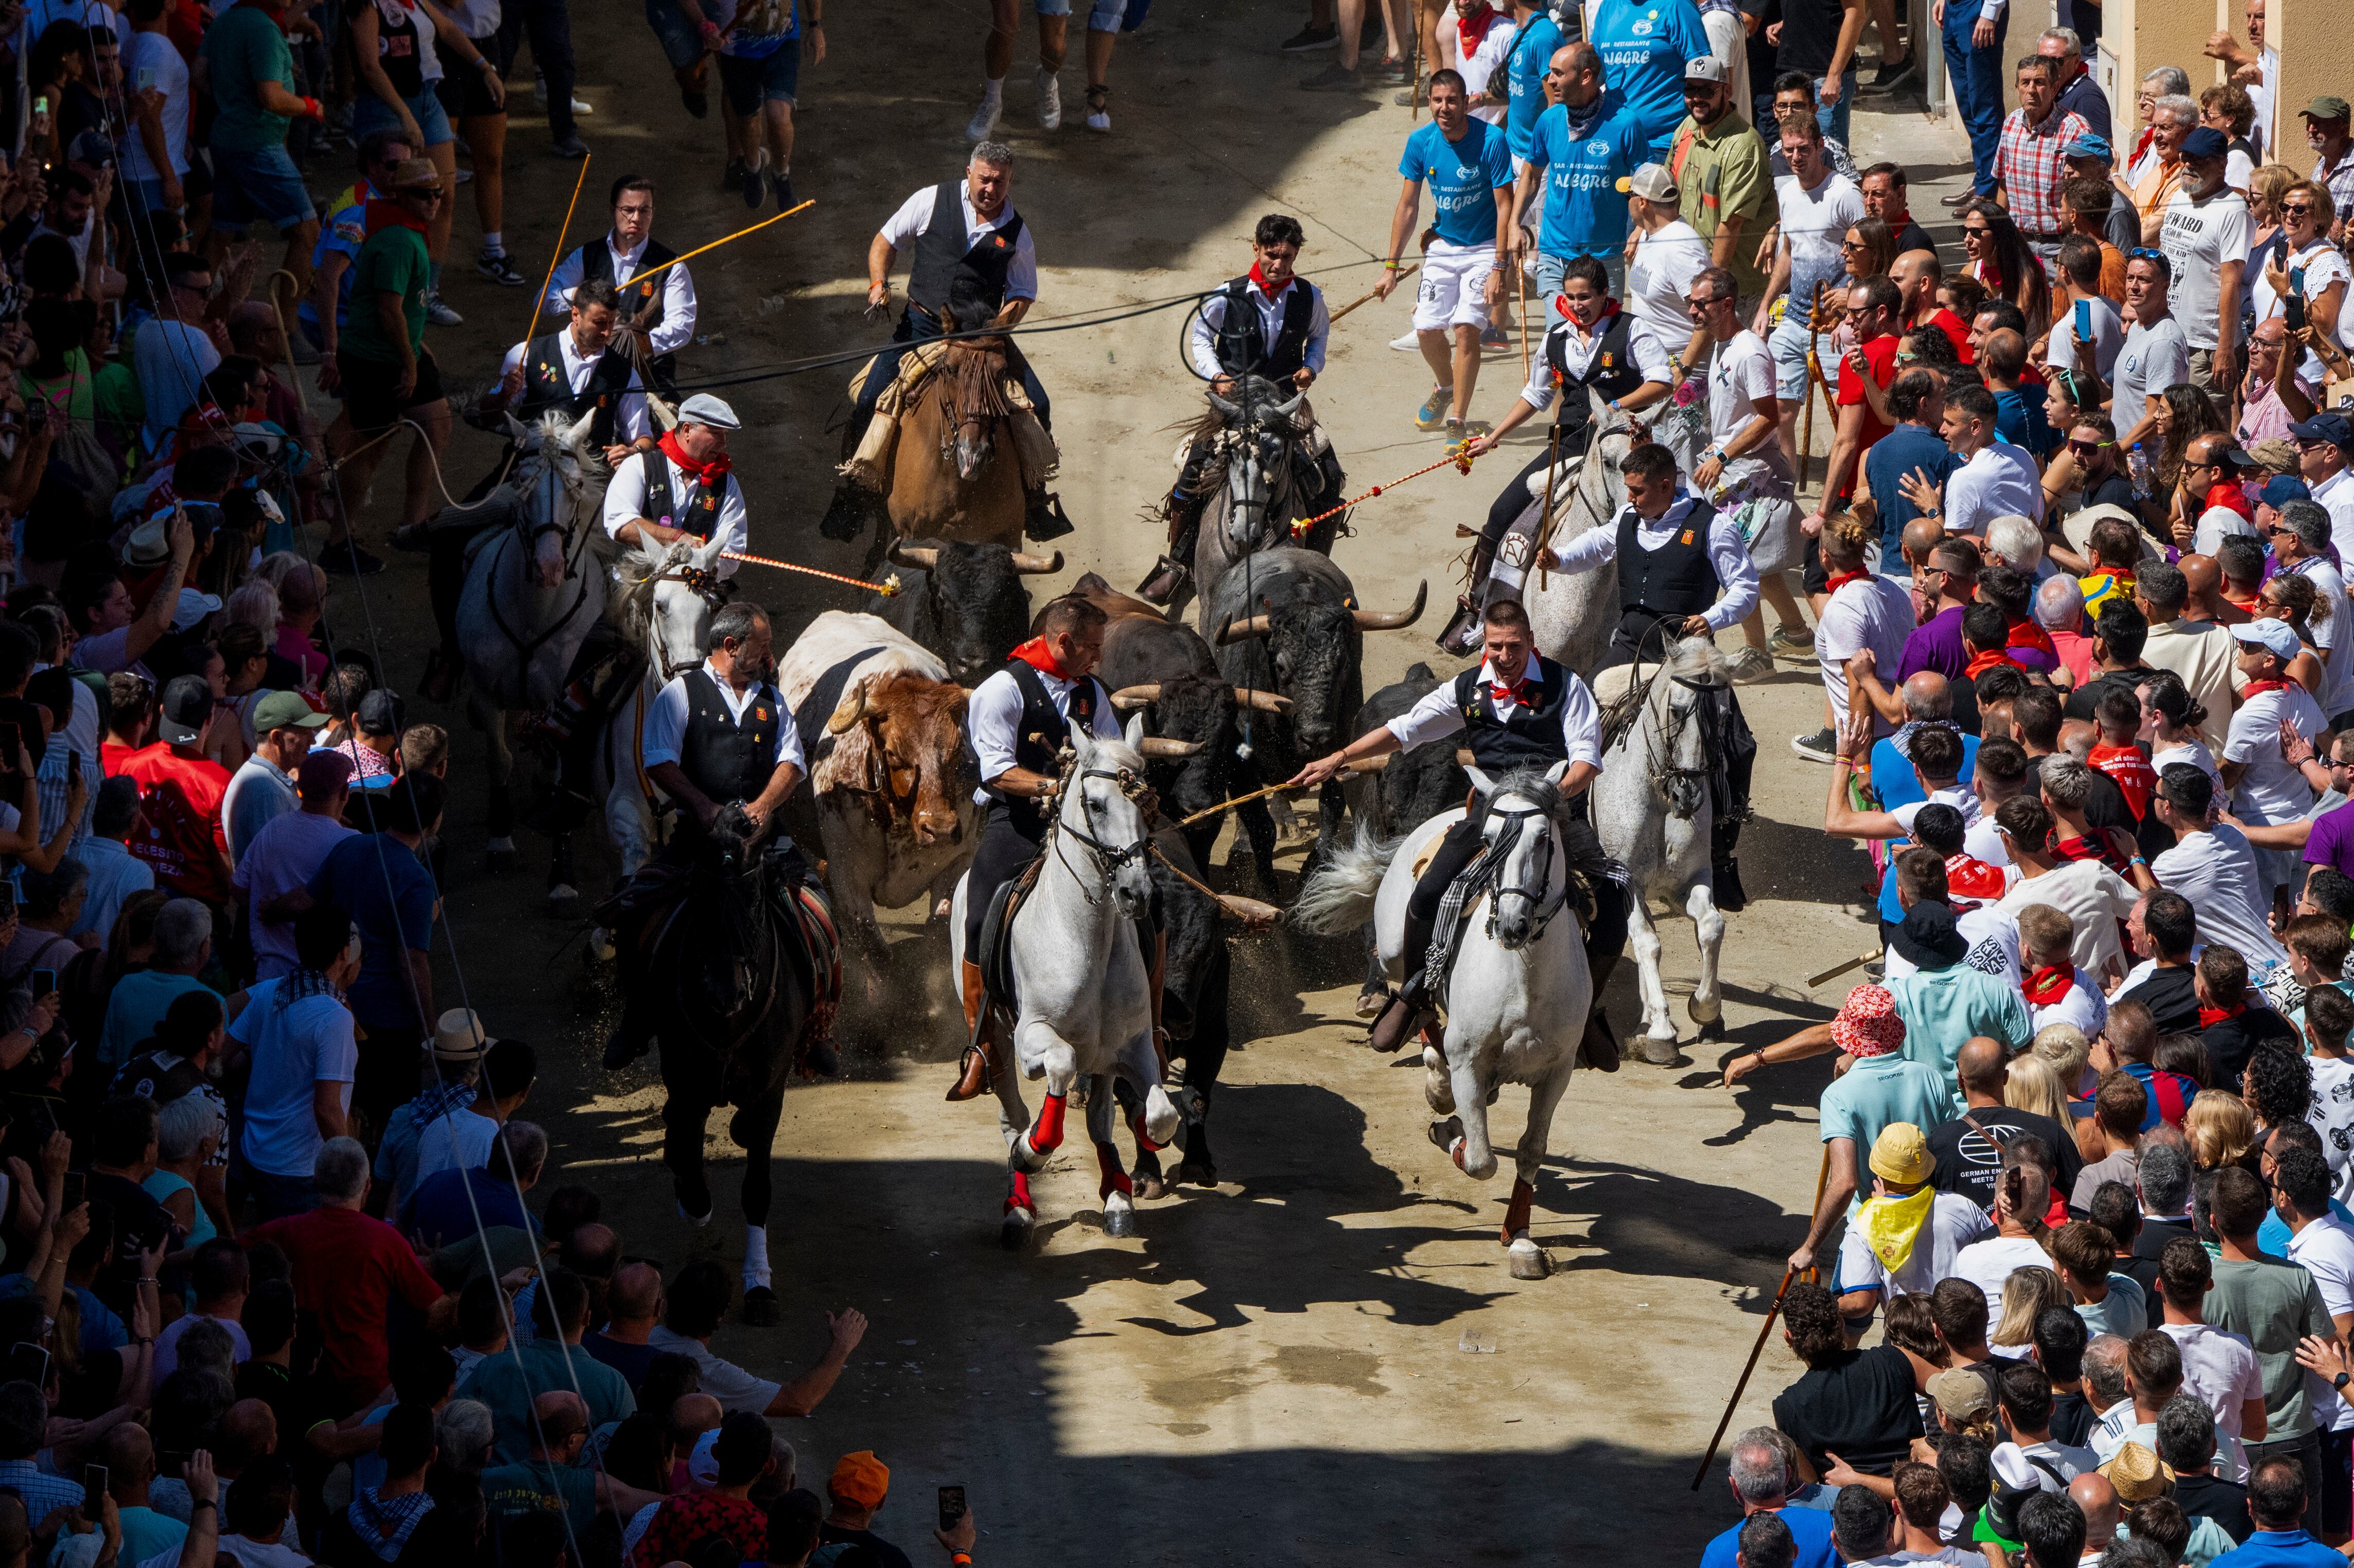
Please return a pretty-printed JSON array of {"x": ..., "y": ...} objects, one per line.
[
  {"x": 2220, "y": 1129},
  {"x": 2065, "y": 1046},
  {"x": 2029, "y": 1289},
  {"x": 2033, "y": 1086}
]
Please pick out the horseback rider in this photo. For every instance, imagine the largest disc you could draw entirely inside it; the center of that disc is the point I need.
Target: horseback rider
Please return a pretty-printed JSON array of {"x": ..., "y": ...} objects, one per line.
[
  {"x": 1518, "y": 709},
  {"x": 1019, "y": 720},
  {"x": 679, "y": 487},
  {"x": 1683, "y": 571},
  {"x": 1268, "y": 323},
  {"x": 973, "y": 260},
  {"x": 714, "y": 734},
  {"x": 659, "y": 314},
  {"x": 1593, "y": 351},
  {"x": 578, "y": 370}
]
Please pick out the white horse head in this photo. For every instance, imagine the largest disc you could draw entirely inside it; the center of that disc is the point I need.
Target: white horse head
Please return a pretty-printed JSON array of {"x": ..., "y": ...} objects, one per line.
[
  {"x": 1100, "y": 813},
  {"x": 1675, "y": 742},
  {"x": 1519, "y": 823},
  {"x": 566, "y": 490},
  {"x": 686, "y": 592}
]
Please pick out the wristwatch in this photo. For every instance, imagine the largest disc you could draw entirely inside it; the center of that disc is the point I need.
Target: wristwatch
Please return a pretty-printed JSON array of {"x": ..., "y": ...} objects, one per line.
[{"x": 2339, "y": 1382}]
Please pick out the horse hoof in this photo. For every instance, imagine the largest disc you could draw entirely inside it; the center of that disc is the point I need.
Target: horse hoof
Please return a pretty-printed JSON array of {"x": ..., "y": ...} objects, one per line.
[
  {"x": 1438, "y": 1089},
  {"x": 1147, "y": 1178},
  {"x": 1528, "y": 1260},
  {"x": 759, "y": 1309},
  {"x": 1446, "y": 1134},
  {"x": 1013, "y": 1231},
  {"x": 697, "y": 1220},
  {"x": 1119, "y": 1217},
  {"x": 1659, "y": 1053}
]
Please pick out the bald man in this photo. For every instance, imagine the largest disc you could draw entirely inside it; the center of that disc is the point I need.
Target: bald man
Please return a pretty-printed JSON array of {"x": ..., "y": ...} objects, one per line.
[
  {"x": 2091, "y": 1493},
  {"x": 552, "y": 1478},
  {"x": 2207, "y": 603},
  {"x": 1970, "y": 1157}
]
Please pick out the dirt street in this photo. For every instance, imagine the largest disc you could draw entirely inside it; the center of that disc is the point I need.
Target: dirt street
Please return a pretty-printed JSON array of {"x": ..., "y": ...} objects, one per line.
[{"x": 1322, "y": 1360}]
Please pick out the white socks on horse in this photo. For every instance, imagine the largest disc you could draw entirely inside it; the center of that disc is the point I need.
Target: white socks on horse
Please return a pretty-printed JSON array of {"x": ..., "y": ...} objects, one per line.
[{"x": 756, "y": 1257}]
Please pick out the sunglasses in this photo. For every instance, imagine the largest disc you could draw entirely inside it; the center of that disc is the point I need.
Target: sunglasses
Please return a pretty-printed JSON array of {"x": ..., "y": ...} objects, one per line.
[
  {"x": 2087, "y": 449},
  {"x": 1980, "y": 229},
  {"x": 2145, "y": 253},
  {"x": 2300, "y": 210},
  {"x": 1852, "y": 245}
]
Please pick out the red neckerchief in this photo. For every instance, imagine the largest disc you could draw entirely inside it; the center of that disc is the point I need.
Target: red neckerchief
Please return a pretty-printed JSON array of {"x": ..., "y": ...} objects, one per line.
[
  {"x": 1039, "y": 657},
  {"x": 2232, "y": 496},
  {"x": 2045, "y": 987},
  {"x": 2211, "y": 1016},
  {"x": 1258, "y": 281},
  {"x": 2028, "y": 634},
  {"x": 1471, "y": 25},
  {"x": 1610, "y": 308},
  {"x": 2141, "y": 144},
  {"x": 706, "y": 473},
  {"x": 1993, "y": 658},
  {"x": 2129, "y": 766},
  {"x": 2258, "y": 688},
  {"x": 381, "y": 214},
  {"x": 2092, "y": 846},
  {"x": 1510, "y": 694},
  {"x": 1970, "y": 878},
  {"x": 1839, "y": 579}
]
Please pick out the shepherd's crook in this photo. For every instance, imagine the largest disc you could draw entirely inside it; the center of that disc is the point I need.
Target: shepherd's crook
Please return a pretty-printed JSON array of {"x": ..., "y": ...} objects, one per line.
[{"x": 1822, "y": 1176}]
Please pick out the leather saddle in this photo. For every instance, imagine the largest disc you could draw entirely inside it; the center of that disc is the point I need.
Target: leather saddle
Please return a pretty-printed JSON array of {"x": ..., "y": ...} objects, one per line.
[{"x": 996, "y": 955}]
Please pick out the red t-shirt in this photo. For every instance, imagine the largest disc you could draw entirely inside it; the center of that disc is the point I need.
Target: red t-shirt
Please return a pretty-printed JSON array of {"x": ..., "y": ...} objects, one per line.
[
  {"x": 680, "y": 1522},
  {"x": 112, "y": 755},
  {"x": 182, "y": 798},
  {"x": 348, "y": 1269},
  {"x": 1880, "y": 352}
]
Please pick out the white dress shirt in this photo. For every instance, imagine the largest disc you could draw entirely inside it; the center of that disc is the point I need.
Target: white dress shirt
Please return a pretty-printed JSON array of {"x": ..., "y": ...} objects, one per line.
[
  {"x": 2336, "y": 495},
  {"x": 666, "y": 715},
  {"x": 1437, "y": 715},
  {"x": 1578, "y": 348},
  {"x": 677, "y": 325},
  {"x": 630, "y": 421},
  {"x": 1202, "y": 343},
  {"x": 625, "y": 500},
  {"x": 914, "y": 216},
  {"x": 2000, "y": 480},
  {"x": 994, "y": 718},
  {"x": 1736, "y": 574}
]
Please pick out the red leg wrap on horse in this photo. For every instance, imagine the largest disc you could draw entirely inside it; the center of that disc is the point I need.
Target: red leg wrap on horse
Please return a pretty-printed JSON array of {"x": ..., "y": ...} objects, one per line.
[
  {"x": 1143, "y": 1139},
  {"x": 1114, "y": 1179},
  {"x": 1516, "y": 1214},
  {"x": 1046, "y": 1134},
  {"x": 1020, "y": 1195}
]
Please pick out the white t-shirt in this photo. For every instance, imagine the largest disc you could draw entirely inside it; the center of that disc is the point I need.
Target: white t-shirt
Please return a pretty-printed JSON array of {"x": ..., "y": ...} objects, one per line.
[
  {"x": 1744, "y": 371},
  {"x": 2216, "y": 525},
  {"x": 2191, "y": 753},
  {"x": 1993, "y": 939},
  {"x": 284, "y": 855},
  {"x": 1659, "y": 279},
  {"x": 2109, "y": 336},
  {"x": 2332, "y": 1116},
  {"x": 2094, "y": 899},
  {"x": 1953, "y": 1223},
  {"x": 2322, "y": 266},
  {"x": 2334, "y": 636},
  {"x": 2220, "y": 1367},
  {"x": 1871, "y": 612},
  {"x": 2083, "y": 1006},
  {"x": 2325, "y": 1249},
  {"x": 724, "y": 1380},
  {"x": 1813, "y": 224},
  {"x": 2217, "y": 872},
  {"x": 2153, "y": 359},
  {"x": 1962, "y": 798},
  {"x": 154, "y": 53},
  {"x": 2068, "y": 1459},
  {"x": 2198, "y": 237},
  {"x": 2271, "y": 790},
  {"x": 1988, "y": 1264},
  {"x": 2000, "y": 480},
  {"x": 295, "y": 1048}
]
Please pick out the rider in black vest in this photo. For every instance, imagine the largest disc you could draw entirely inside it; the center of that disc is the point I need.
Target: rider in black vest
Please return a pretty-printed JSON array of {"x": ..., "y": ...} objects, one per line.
[
  {"x": 659, "y": 307},
  {"x": 981, "y": 272},
  {"x": 1517, "y": 709},
  {"x": 1594, "y": 352},
  {"x": 716, "y": 734}
]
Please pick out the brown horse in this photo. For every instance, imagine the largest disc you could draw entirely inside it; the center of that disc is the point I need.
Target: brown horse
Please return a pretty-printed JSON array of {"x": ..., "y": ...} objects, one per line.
[{"x": 956, "y": 473}]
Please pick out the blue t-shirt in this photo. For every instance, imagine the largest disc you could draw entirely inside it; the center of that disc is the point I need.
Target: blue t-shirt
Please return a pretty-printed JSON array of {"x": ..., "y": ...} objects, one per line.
[
  {"x": 2278, "y": 1548},
  {"x": 2272, "y": 1235},
  {"x": 1810, "y": 1528},
  {"x": 1892, "y": 781},
  {"x": 376, "y": 880},
  {"x": 1892, "y": 456},
  {"x": 2019, "y": 419},
  {"x": 743, "y": 44},
  {"x": 1462, "y": 177},
  {"x": 439, "y": 1211},
  {"x": 342, "y": 235},
  {"x": 1585, "y": 182},
  {"x": 1644, "y": 45},
  {"x": 1525, "y": 70}
]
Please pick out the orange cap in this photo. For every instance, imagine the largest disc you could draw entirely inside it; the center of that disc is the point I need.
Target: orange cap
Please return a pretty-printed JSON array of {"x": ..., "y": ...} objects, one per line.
[{"x": 860, "y": 1478}]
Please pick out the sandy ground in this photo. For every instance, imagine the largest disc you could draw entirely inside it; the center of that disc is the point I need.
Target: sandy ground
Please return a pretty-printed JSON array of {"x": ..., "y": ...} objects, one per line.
[{"x": 1290, "y": 1367}]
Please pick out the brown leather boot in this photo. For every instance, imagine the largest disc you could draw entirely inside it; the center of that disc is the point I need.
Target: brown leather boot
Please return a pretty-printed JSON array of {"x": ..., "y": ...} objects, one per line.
[{"x": 979, "y": 1063}]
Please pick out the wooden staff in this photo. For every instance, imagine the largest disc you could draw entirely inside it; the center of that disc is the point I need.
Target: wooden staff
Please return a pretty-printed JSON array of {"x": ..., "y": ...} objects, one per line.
[
  {"x": 1249, "y": 911},
  {"x": 1822, "y": 1176},
  {"x": 540, "y": 298},
  {"x": 1807, "y": 424},
  {"x": 728, "y": 239},
  {"x": 1367, "y": 765},
  {"x": 1520, "y": 303},
  {"x": 1369, "y": 295},
  {"x": 1544, "y": 525}
]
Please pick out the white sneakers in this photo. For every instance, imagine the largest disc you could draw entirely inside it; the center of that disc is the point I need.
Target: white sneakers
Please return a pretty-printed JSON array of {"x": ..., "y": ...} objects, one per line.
[
  {"x": 984, "y": 119},
  {"x": 1050, "y": 100}
]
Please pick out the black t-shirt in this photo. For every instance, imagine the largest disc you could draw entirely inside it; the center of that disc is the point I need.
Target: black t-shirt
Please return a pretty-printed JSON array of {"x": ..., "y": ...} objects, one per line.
[
  {"x": 2104, "y": 808},
  {"x": 1861, "y": 1406},
  {"x": 2071, "y": 1420},
  {"x": 2206, "y": 1497},
  {"x": 1913, "y": 236},
  {"x": 880, "y": 1553},
  {"x": 139, "y": 1222},
  {"x": 1809, "y": 34},
  {"x": 2173, "y": 1004},
  {"x": 2114, "y": 490},
  {"x": 2232, "y": 1041},
  {"x": 2148, "y": 1246},
  {"x": 2086, "y": 698},
  {"x": 1968, "y": 1164}
]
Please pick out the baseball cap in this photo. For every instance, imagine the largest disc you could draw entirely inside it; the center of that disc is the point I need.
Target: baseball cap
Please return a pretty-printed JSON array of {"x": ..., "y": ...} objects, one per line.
[
  {"x": 2334, "y": 429},
  {"x": 2329, "y": 106},
  {"x": 860, "y": 1478},
  {"x": 321, "y": 772},
  {"x": 703, "y": 408},
  {"x": 2272, "y": 635},
  {"x": 188, "y": 704},
  {"x": 379, "y": 713},
  {"x": 285, "y": 710},
  {"x": 1653, "y": 183},
  {"x": 1707, "y": 68},
  {"x": 2087, "y": 145},
  {"x": 1963, "y": 1394},
  {"x": 1901, "y": 1154},
  {"x": 2205, "y": 142},
  {"x": 2282, "y": 489}
]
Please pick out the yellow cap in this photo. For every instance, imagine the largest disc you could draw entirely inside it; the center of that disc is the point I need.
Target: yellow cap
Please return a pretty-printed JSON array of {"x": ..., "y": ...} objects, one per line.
[{"x": 1901, "y": 1155}]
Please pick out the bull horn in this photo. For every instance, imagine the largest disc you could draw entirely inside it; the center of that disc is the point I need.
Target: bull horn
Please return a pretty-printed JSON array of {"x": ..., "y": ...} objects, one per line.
[
  {"x": 1376, "y": 620},
  {"x": 1228, "y": 412},
  {"x": 922, "y": 558},
  {"x": 1235, "y": 630},
  {"x": 1129, "y": 698},
  {"x": 1359, "y": 765},
  {"x": 849, "y": 711},
  {"x": 1264, "y": 701},
  {"x": 1290, "y": 406},
  {"x": 1036, "y": 565},
  {"x": 1162, "y": 746},
  {"x": 1463, "y": 757}
]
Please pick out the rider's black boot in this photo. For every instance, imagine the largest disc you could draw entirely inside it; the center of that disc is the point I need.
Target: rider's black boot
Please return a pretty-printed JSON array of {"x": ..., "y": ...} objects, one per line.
[
  {"x": 1400, "y": 1019},
  {"x": 1171, "y": 575},
  {"x": 627, "y": 1043},
  {"x": 1043, "y": 517}
]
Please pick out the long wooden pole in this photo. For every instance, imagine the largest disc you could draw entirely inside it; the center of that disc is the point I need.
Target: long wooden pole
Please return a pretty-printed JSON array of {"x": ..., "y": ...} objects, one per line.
[
  {"x": 1368, "y": 297},
  {"x": 1822, "y": 1178},
  {"x": 1544, "y": 526},
  {"x": 1520, "y": 301},
  {"x": 725, "y": 240},
  {"x": 1807, "y": 421},
  {"x": 539, "y": 300},
  {"x": 1249, "y": 910}
]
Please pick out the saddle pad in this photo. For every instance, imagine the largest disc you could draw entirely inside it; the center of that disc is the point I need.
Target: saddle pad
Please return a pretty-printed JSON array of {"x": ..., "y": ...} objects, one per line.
[
  {"x": 1609, "y": 686},
  {"x": 996, "y": 957}
]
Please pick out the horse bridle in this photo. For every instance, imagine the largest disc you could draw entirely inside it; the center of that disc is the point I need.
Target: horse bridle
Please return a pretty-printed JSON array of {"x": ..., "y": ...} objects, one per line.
[
  {"x": 1108, "y": 860},
  {"x": 710, "y": 586},
  {"x": 530, "y": 535},
  {"x": 1547, "y": 904},
  {"x": 1663, "y": 772}
]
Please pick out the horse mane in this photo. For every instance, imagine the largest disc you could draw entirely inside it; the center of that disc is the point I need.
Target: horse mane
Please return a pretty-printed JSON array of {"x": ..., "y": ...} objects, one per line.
[
  {"x": 1532, "y": 785},
  {"x": 973, "y": 378},
  {"x": 1696, "y": 659},
  {"x": 632, "y": 611},
  {"x": 552, "y": 428}
]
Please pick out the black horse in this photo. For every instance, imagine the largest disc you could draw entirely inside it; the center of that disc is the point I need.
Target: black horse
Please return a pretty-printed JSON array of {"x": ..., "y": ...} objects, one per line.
[{"x": 711, "y": 930}]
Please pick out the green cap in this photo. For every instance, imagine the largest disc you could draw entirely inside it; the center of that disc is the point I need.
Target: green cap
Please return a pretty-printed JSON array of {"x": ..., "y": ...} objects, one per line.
[
  {"x": 285, "y": 710},
  {"x": 2325, "y": 108}
]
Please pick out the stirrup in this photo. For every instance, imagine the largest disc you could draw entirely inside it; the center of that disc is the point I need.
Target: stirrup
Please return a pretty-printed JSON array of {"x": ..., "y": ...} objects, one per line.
[
  {"x": 1043, "y": 517},
  {"x": 976, "y": 1072},
  {"x": 1163, "y": 582}
]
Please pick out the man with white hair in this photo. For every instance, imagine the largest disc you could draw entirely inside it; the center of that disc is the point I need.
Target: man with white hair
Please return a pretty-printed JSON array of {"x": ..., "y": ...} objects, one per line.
[
  {"x": 2172, "y": 120},
  {"x": 2014, "y": 541},
  {"x": 2060, "y": 612},
  {"x": 184, "y": 945},
  {"x": 1761, "y": 1484},
  {"x": 2301, "y": 545},
  {"x": 2158, "y": 83}
]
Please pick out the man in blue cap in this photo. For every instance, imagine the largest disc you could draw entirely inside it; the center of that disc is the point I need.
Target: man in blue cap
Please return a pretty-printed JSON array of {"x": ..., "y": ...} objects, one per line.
[
  {"x": 2205, "y": 237},
  {"x": 2090, "y": 157},
  {"x": 2321, "y": 443}
]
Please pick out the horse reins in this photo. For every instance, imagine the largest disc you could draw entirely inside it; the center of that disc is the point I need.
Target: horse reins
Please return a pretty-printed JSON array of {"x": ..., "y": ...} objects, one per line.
[
  {"x": 1548, "y": 904},
  {"x": 1108, "y": 860}
]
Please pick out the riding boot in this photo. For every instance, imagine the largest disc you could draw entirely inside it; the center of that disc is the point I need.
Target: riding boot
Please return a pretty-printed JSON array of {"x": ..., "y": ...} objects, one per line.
[
  {"x": 1170, "y": 575},
  {"x": 846, "y": 518},
  {"x": 1599, "y": 1048},
  {"x": 1043, "y": 517},
  {"x": 978, "y": 1065},
  {"x": 1405, "y": 1012},
  {"x": 631, "y": 1038}
]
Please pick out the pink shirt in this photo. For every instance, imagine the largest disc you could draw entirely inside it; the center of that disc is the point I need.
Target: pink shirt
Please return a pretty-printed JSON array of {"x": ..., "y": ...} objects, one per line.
[{"x": 2075, "y": 651}]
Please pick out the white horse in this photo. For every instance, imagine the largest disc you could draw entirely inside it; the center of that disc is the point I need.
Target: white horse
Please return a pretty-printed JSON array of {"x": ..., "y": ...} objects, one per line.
[
  {"x": 533, "y": 587},
  {"x": 1572, "y": 616},
  {"x": 1652, "y": 812},
  {"x": 1081, "y": 990},
  {"x": 1519, "y": 996}
]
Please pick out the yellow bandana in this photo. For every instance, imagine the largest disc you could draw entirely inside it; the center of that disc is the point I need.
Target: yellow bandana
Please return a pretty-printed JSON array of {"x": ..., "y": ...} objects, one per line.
[{"x": 1891, "y": 1225}]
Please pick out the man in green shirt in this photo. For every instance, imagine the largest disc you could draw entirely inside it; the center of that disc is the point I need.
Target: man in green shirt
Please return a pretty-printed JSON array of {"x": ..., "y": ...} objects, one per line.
[
  {"x": 1721, "y": 171},
  {"x": 255, "y": 179},
  {"x": 553, "y": 1479},
  {"x": 387, "y": 372}
]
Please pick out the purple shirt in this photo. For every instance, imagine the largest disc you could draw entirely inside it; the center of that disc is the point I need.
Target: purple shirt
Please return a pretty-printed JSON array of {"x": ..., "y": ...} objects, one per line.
[
  {"x": 2331, "y": 843},
  {"x": 1937, "y": 644}
]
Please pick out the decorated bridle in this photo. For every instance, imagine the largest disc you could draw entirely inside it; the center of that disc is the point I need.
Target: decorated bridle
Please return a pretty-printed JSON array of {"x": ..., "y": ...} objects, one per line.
[
  {"x": 1108, "y": 860},
  {"x": 1547, "y": 904},
  {"x": 709, "y": 586},
  {"x": 529, "y": 534}
]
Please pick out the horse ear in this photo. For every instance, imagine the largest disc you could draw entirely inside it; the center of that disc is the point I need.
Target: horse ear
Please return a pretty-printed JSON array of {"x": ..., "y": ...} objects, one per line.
[
  {"x": 1554, "y": 774},
  {"x": 1135, "y": 731},
  {"x": 1480, "y": 783}
]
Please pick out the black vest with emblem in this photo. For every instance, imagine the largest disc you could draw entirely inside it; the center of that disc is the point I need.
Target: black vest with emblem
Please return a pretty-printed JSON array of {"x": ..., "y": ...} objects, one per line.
[
  {"x": 968, "y": 283},
  {"x": 1042, "y": 732},
  {"x": 1677, "y": 578},
  {"x": 1531, "y": 737},
  {"x": 641, "y": 302},
  {"x": 1610, "y": 372},
  {"x": 546, "y": 386},
  {"x": 699, "y": 515},
  {"x": 1241, "y": 343},
  {"x": 725, "y": 759}
]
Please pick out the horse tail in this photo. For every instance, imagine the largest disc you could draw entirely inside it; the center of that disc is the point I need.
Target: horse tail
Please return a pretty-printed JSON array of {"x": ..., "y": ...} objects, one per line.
[{"x": 1340, "y": 895}]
